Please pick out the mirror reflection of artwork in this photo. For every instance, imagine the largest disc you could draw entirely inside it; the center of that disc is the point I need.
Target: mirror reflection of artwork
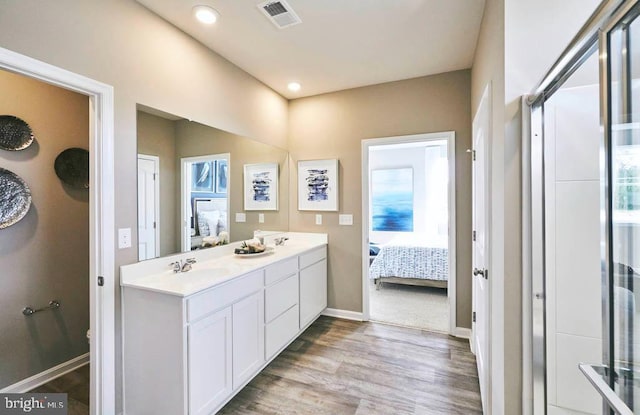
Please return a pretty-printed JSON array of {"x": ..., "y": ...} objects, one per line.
[
  {"x": 202, "y": 177},
  {"x": 261, "y": 186},
  {"x": 392, "y": 200},
  {"x": 222, "y": 174}
]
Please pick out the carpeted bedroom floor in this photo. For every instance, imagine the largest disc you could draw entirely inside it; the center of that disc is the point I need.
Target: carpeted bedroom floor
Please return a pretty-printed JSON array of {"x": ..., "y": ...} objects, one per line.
[{"x": 421, "y": 307}]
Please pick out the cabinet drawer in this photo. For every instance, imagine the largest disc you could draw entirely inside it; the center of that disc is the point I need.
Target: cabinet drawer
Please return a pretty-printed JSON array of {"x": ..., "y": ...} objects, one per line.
[
  {"x": 280, "y": 331},
  {"x": 219, "y": 297},
  {"x": 280, "y": 296},
  {"x": 280, "y": 270},
  {"x": 312, "y": 257}
]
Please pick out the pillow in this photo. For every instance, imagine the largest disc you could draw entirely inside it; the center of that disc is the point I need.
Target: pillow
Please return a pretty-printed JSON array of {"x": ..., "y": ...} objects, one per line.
[
  {"x": 211, "y": 218},
  {"x": 203, "y": 227},
  {"x": 222, "y": 223}
]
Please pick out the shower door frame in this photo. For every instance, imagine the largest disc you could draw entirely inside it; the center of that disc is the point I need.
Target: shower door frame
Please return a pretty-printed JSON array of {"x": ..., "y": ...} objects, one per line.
[{"x": 593, "y": 35}]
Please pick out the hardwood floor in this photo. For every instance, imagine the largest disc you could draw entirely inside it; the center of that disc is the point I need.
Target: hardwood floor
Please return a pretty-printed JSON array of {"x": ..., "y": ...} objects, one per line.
[
  {"x": 346, "y": 367},
  {"x": 76, "y": 385}
]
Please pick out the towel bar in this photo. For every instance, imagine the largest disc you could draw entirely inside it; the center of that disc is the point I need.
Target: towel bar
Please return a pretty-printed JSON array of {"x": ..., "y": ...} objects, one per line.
[{"x": 53, "y": 304}]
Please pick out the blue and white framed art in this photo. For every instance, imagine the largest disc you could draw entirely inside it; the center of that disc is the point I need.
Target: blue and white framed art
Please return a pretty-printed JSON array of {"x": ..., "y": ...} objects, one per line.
[
  {"x": 261, "y": 186},
  {"x": 318, "y": 185}
]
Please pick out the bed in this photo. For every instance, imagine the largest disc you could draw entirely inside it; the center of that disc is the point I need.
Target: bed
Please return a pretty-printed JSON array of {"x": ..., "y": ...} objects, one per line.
[
  {"x": 210, "y": 219},
  {"x": 413, "y": 259}
]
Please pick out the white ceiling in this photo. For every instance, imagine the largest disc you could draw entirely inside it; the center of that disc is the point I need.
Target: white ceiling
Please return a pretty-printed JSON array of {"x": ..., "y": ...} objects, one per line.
[{"x": 340, "y": 44}]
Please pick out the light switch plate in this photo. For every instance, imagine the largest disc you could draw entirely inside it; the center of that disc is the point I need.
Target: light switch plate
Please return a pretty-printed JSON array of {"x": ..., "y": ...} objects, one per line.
[
  {"x": 260, "y": 217},
  {"x": 345, "y": 220},
  {"x": 124, "y": 238},
  {"x": 241, "y": 217},
  {"x": 318, "y": 219}
]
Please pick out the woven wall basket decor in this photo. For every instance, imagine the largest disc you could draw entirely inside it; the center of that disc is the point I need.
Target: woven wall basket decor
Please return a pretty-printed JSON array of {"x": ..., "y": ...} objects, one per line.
[
  {"x": 15, "y": 133},
  {"x": 15, "y": 198},
  {"x": 72, "y": 167}
]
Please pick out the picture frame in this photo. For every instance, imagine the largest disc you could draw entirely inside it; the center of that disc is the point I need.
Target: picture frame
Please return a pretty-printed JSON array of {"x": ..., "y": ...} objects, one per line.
[
  {"x": 392, "y": 197},
  {"x": 318, "y": 185},
  {"x": 261, "y": 186},
  {"x": 222, "y": 176},
  {"x": 202, "y": 177}
]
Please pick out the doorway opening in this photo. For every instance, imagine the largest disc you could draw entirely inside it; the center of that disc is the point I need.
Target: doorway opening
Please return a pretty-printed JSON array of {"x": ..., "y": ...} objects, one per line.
[
  {"x": 205, "y": 201},
  {"x": 101, "y": 270},
  {"x": 409, "y": 231}
]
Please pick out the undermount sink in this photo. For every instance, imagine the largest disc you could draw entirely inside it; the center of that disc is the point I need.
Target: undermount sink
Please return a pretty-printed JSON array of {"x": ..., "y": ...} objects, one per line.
[{"x": 205, "y": 270}]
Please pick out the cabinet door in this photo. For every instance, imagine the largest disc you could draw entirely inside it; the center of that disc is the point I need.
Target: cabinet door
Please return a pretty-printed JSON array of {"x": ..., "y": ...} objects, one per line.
[
  {"x": 313, "y": 291},
  {"x": 248, "y": 337},
  {"x": 209, "y": 362}
]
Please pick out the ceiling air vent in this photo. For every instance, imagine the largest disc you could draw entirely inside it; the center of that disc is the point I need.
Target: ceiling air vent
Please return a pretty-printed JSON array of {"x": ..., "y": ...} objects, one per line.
[{"x": 280, "y": 13}]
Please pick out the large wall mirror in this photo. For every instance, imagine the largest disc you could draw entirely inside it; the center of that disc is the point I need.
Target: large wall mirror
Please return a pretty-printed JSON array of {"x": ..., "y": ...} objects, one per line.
[{"x": 191, "y": 185}]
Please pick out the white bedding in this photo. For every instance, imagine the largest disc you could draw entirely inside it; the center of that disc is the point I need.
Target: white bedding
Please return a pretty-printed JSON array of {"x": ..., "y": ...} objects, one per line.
[{"x": 412, "y": 256}]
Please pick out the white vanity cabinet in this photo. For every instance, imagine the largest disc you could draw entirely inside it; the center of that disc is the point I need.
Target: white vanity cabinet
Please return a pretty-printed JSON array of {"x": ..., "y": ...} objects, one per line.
[
  {"x": 313, "y": 285},
  {"x": 248, "y": 338},
  {"x": 189, "y": 353},
  {"x": 209, "y": 361}
]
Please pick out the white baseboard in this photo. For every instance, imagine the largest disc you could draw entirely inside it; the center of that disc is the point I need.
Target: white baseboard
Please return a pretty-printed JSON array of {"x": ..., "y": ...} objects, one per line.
[
  {"x": 462, "y": 332},
  {"x": 345, "y": 314},
  {"x": 47, "y": 376}
]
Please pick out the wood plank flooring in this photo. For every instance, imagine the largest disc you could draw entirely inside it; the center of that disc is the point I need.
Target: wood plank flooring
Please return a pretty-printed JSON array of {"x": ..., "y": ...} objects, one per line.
[
  {"x": 76, "y": 385},
  {"x": 345, "y": 367}
]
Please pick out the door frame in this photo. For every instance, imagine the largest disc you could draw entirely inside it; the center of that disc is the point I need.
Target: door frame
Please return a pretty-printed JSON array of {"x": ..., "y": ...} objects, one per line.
[
  {"x": 450, "y": 137},
  {"x": 185, "y": 200},
  {"x": 156, "y": 201},
  {"x": 101, "y": 217}
]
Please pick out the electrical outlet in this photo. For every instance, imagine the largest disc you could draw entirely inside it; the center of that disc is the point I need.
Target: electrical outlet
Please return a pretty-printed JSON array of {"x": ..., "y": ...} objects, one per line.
[
  {"x": 124, "y": 238},
  {"x": 318, "y": 219},
  {"x": 241, "y": 217},
  {"x": 345, "y": 220},
  {"x": 260, "y": 217}
]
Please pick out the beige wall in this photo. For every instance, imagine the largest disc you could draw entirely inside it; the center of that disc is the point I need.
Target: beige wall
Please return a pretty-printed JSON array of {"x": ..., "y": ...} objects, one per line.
[
  {"x": 148, "y": 61},
  {"x": 45, "y": 256},
  {"x": 333, "y": 125},
  {"x": 157, "y": 137},
  {"x": 194, "y": 139}
]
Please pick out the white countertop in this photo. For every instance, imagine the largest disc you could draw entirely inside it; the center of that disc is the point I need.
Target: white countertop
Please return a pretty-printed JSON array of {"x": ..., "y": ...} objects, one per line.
[{"x": 213, "y": 267}]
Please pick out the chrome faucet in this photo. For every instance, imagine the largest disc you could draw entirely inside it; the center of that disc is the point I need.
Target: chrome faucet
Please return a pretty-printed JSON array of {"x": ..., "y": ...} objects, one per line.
[
  {"x": 182, "y": 266},
  {"x": 280, "y": 241}
]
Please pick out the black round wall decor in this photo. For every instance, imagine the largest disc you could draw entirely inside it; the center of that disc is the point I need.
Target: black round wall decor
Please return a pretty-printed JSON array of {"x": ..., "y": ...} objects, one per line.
[
  {"x": 15, "y": 198},
  {"x": 72, "y": 167},
  {"x": 15, "y": 133}
]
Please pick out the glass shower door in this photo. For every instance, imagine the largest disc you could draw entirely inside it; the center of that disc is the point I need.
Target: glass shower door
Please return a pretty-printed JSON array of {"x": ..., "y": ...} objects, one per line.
[{"x": 618, "y": 379}]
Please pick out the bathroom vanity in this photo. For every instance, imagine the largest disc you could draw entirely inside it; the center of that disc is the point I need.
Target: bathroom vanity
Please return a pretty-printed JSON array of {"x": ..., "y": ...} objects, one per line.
[{"x": 193, "y": 339}]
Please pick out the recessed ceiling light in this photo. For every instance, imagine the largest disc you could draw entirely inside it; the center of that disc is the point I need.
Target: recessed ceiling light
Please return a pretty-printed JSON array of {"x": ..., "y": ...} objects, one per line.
[
  {"x": 294, "y": 86},
  {"x": 205, "y": 14}
]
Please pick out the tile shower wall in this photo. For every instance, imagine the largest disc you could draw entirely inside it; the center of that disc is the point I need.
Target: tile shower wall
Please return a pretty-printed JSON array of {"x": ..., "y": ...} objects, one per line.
[
  {"x": 573, "y": 291},
  {"x": 46, "y": 255}
]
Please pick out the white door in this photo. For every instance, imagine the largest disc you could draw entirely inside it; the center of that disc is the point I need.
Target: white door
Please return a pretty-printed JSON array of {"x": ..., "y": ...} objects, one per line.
[
  {"x": 481, "y": 306},
  {"x": 148, "y": 207},
  {"x": 210, "y": 362},
  {"x": 313, "y": 291},
  {"x": 248, "y": 337}
]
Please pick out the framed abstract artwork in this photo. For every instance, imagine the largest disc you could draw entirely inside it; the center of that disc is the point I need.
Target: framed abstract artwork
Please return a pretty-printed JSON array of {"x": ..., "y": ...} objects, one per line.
[
  {"x": 261, "y": 186},
  {"x": 318, "y": 185},
  {"x": 202, "y": 177},
  {"x": 222, "y": 173},
  {"x": 392, "y": 200}
]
